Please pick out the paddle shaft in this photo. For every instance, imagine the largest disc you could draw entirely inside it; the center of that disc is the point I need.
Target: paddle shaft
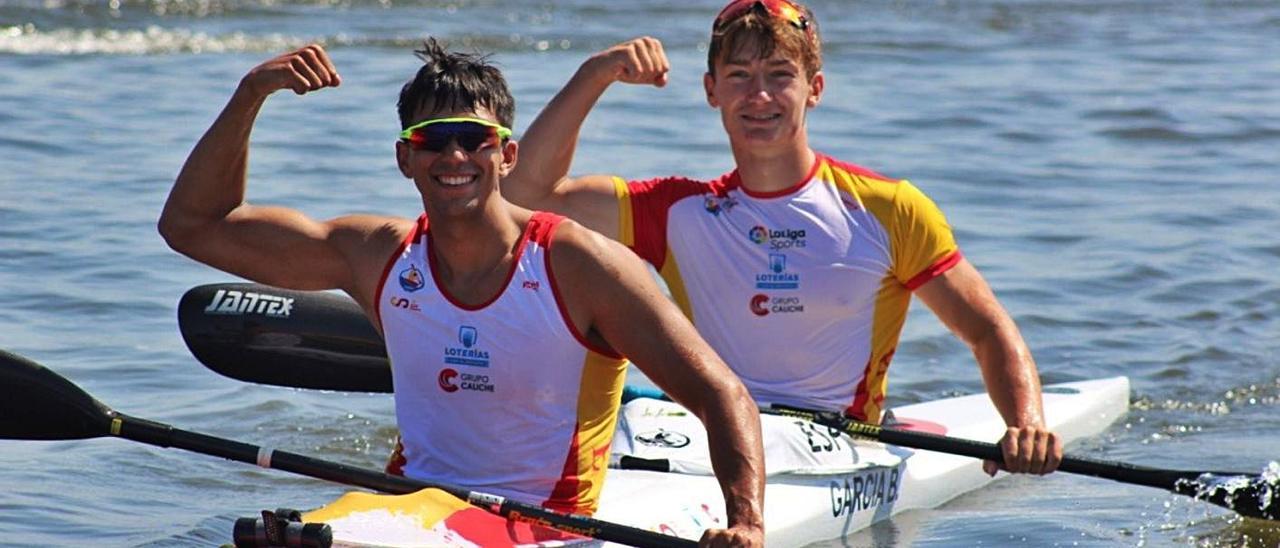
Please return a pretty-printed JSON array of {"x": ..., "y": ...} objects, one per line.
[
  {"x": 1177, "y": 481},
  {"x": 163, "y": 435},
  {"x": 38, "y": 404},
  {"x": 1249, "y": 495}
]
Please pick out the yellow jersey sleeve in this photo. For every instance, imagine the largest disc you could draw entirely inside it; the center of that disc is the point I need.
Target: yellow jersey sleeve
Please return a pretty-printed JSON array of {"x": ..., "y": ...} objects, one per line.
[{"x": 922, "y": 243}]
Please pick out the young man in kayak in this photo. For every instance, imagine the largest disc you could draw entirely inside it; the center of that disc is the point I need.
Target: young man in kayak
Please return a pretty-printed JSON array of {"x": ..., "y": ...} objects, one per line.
[
  {"x": 505, "y": 327},
  {"x": 796, "y": 267}
]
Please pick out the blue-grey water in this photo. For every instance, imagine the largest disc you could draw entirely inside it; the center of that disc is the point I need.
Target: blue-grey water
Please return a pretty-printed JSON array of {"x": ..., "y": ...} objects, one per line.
[{"x": 1112, "y": 166}]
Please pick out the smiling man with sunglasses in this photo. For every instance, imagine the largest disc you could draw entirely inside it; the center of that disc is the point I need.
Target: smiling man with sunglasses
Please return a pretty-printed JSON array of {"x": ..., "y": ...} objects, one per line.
[
  {"x": 796, "y": 267},
  {"x": 505, "y": 327}
]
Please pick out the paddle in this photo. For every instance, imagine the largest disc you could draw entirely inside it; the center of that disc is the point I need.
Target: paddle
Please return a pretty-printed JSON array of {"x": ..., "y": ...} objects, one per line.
[
  {"x": 38, "y": 404},
  {"x": 282, "y": 351},
  {"x": 1249, "y": 495},
  {"x": 266, "y": 335}
]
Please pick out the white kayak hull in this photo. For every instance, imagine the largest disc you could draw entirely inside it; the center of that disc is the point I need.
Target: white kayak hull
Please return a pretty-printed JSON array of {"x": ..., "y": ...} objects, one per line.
[
  {"x": 816, "y": 505},
  {"x": 805, "y": 508}
]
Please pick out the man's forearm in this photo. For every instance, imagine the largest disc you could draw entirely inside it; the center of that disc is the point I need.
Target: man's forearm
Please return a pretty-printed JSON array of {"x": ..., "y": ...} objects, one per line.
[
  {"x": 733, "y": 433},
  {"x": 1011, "y": 377}
]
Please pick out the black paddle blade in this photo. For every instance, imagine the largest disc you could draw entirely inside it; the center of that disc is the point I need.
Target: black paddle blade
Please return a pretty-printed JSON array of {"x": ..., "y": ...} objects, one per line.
[
  {"x": 301, "y": 339},
  {"x": 38, "y": 404},
  {"x": 1248, "y": 495}
]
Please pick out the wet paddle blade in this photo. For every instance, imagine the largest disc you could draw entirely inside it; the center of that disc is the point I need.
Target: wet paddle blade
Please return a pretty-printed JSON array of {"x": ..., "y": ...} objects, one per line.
[
  {"x": 267, "y": 335},
  {"x": 38, "y": 404},
  {"x": 1248, "y": 495}
]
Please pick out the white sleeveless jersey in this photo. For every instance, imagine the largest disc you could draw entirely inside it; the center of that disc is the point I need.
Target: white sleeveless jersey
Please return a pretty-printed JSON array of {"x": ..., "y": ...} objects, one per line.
[
  {"x": 505, "y": 397},
  {"x": 803, "y": 292}
]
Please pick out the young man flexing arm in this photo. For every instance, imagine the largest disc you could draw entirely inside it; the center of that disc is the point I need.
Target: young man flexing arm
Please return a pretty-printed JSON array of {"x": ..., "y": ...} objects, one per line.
[
  {"x": 764, "y": 75},
  {"x": 471, "y": 242}
]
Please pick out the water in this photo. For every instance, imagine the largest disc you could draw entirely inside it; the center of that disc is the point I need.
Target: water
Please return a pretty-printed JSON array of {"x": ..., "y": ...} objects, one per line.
[{"x": 1110, "y": 166}]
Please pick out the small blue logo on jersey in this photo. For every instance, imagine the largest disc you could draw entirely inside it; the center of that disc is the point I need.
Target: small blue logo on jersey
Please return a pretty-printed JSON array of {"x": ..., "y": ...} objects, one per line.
[
  {"x": 411, "y": 279},
  {"x": 467, "y": 355},
  {"x": 777, "y": 277},
  {"x": 467, "y": 335},
  {"x": 777, "y": 262},
  {"x": 714, "y": 205}
]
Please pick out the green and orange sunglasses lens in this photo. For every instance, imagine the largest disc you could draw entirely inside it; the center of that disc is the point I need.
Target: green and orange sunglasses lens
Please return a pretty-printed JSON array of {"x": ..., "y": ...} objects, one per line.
[
  {"x": 781, "y": 9},
  {"x": 470, "y": 133}
]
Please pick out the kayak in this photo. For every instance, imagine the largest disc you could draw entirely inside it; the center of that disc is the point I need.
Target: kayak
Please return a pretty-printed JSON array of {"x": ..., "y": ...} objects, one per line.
[{"x": 659, "y": 480}]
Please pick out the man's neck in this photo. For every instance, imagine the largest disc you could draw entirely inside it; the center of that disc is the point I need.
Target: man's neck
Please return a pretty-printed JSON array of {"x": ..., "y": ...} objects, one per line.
[
  {"x": 764, "y": 171},
  {"x": 474, "y": 252}
]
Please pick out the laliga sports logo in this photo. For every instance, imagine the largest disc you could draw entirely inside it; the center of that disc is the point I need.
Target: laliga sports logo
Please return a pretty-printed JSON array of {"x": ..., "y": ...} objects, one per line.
[
  {"x": 446, "y": 380},
  {"x": 411, "y": 279},
  {"x": 778, "y": 239}
]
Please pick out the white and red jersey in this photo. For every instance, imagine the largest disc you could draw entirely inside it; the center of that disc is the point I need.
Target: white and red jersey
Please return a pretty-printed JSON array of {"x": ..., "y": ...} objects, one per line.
[
  {"x": 505, "y": 397},
  {"x": 803, "y": 292}
]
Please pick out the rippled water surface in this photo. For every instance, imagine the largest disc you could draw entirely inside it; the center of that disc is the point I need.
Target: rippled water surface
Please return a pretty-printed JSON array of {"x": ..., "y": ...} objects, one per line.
[{"x": 1110, "y": 165}]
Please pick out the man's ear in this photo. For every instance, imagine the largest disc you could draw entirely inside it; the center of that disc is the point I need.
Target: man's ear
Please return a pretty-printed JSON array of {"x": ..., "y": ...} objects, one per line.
[
  {"x": 402, "y": 159},
  {"x": 510, "y": 152},
  {"x": 816, "y": 85},
  {"x": 709, "y": 84}
]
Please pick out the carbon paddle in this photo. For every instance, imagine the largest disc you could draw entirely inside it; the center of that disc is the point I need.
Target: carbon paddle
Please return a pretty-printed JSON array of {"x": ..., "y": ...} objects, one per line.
[
  {"x": 38, "y": 404},
  {"x": 239, "y": 341},
  {"x": 302, "y": 339}
]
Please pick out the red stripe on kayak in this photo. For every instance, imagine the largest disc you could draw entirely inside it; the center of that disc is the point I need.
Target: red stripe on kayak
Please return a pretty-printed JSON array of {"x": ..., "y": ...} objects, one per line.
[{"x": 485, "y": 529}]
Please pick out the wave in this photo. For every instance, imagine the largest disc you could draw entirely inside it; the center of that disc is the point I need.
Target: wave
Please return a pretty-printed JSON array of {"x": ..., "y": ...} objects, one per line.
[
  {"x": 155, "y": 40},
  {"x": 28, "y": 40}
]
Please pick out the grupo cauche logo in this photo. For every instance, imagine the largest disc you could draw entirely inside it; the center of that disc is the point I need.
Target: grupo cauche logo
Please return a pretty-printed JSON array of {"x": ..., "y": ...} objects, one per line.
[
  {"x": 446, "y": 380},
  {"x": 763, "y": 305}
]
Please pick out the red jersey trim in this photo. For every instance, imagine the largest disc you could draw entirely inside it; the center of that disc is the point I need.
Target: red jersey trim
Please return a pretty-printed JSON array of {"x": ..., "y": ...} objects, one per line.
[
  {"x": 936, "y": 269},
  {"x": 651, "y": 203},
  {"x": 564, "y": 496},
  {"x": 420, "y": 226},
  {"x": 860, "y": 395},
  {"x": 545, "y": 239},
  {"x": 735, "y": 180},
  {"x": 511, "y": 272}
]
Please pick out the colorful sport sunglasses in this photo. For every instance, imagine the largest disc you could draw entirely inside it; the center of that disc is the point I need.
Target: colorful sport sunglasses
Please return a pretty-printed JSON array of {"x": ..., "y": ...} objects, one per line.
[
  {"x": 781, "y": 9},
  {"x": 471, "y": 134}
]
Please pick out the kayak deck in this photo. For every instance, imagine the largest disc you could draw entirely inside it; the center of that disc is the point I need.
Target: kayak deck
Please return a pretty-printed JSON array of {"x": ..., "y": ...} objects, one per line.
[
  {"x": 805, "y": 508},
  {"x": 800, "y": 507}
]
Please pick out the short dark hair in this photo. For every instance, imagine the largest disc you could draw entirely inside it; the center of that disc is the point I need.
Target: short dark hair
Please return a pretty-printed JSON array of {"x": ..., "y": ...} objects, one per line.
[{"x": 455, "y": 81}]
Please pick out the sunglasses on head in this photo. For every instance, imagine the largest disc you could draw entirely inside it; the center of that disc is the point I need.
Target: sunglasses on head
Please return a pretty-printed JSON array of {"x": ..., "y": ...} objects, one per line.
[
  {"x": 470, "y": 133},
  {"x": 781, "y": 9}
]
